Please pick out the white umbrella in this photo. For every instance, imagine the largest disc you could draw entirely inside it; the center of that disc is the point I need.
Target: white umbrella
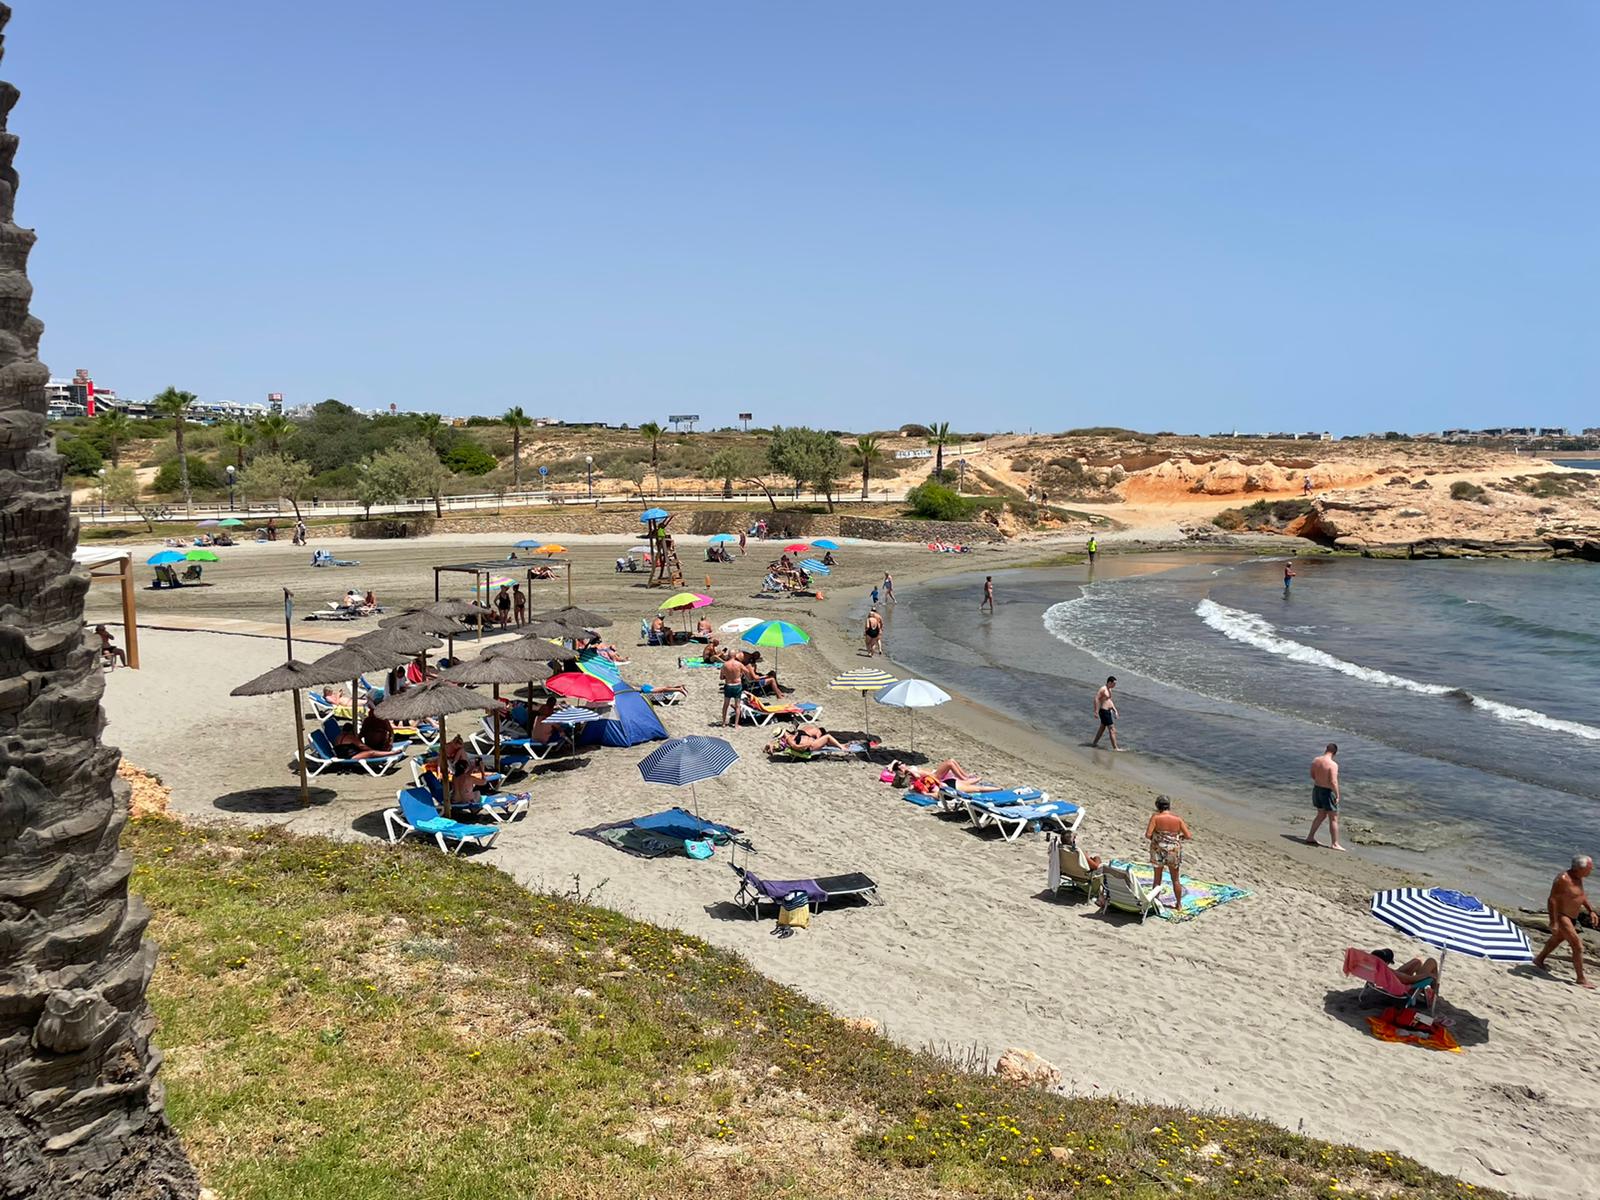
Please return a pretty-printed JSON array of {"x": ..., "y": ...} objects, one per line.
[
  {"x": 912, "y": 694},
  {"x": 741, "y": 624}
]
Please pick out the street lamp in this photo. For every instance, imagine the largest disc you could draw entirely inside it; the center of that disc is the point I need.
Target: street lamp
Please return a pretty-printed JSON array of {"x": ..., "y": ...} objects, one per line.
[
  {"x": 588, "y": 462},
  {"x": 102, "y": 473},
  {"x": 231, "y": 473}
]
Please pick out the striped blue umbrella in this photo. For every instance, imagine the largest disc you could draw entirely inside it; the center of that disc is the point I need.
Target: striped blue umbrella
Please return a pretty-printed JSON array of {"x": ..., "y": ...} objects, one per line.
[
  {"x": 570, "y": 716},
  {"x": 863, "y": 680},
  {"x": 688, "y": 760},
  {"x": 815, "y": 566},
  {"x": 1452, "y": 921}
]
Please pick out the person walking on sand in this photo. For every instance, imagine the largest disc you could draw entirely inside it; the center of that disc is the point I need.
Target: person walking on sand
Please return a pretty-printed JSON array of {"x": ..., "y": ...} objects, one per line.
[
  {"x": 741, "y": 541},
  {"x": 988, "y": 595},
  {"x": 888, "y": 588},
  {"x": 733, "y": 676},
  {"x": 1166, "y": 834},
  {"x": 1567, "y": 900},
  {"x": 1288, "y": 577},
  {"x": 1105, "y": 708},
  {"x": 874, "y": 597},
  {"x": 873, "y": 633},
  {"x": 1325, "y": 796},
  {"x": 1093, "y": 548},
  {"x": 519, "y": 604}
]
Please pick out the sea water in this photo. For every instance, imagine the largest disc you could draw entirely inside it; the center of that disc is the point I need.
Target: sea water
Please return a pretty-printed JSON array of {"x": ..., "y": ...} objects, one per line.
[{"x": 1464, "y": 695}]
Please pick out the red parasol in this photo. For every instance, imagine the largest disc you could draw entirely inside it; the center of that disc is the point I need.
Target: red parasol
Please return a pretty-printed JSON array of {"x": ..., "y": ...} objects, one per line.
[{"x": 578, "y": 686}]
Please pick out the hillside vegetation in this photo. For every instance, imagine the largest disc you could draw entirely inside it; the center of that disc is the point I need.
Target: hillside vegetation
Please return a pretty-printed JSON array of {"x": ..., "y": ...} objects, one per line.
[{"x": 363, "y": 1021}]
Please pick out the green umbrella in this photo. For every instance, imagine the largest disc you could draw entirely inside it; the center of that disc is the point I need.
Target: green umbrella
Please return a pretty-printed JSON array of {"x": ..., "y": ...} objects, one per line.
[
  {"x": 231, "y": 522},
  {"x": 201, "y": 556}
]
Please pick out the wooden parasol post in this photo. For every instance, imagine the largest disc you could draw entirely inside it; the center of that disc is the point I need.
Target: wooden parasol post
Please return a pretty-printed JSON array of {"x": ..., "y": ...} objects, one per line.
[
  {"x": 569, "y": 583},
  {"x": 299, "y": 706}
]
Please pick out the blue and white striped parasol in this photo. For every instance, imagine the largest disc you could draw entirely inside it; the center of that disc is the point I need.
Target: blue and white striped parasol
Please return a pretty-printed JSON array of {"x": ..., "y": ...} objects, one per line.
[
  {"x": 1452, "y": 921},
  {"x": 815, "y": 566},
  {"x": 688, "y": 760},
  {"x": 570, "y": 716}
]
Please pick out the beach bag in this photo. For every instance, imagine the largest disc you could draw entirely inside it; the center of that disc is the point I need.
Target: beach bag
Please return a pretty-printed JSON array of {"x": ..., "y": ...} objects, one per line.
[
  {"x": 794, "y": 911},
  {"x": 696, "y": 849}
]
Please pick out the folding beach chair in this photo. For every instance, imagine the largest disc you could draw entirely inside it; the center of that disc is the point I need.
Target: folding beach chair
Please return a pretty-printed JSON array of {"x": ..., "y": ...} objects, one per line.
[
  {"x": 416, "y": 815},
  {"x": 1122, "y": 890},
  {"x": 1068, "y": 866},
  {"x": 1379, "y": 978},
  {"x": 1012, "y": 817},
  {"x": 755, "y": 891}
]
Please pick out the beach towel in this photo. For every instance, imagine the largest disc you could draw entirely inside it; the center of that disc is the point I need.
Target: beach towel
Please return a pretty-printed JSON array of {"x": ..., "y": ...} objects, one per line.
[
  {"x": 921, "y": 801},
  {"x": 658, "y": 834},
  {"x": 1390, "y": 1026},
  {"x": 1198, "y": 894}
]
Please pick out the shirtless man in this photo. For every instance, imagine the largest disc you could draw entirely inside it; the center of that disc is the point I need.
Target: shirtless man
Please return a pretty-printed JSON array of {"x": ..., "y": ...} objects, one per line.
[
  {"x": 1325, "y": 795},
  {"x": 1567, "y": 900},
  {"x": 733, "y": 673},
  {"x": 1105, "y": 708},
  {"x": 988, "y": 594}
]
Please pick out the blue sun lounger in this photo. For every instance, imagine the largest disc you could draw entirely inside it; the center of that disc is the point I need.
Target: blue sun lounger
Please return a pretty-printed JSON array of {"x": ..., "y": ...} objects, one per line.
[
  {"x": 417, "y": 815},
  {"x": 502, "y": 806},
  {"x": 320, "y": 755}
]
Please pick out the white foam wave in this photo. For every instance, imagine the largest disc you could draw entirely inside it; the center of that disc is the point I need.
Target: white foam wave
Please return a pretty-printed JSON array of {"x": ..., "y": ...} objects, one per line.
[{"x": 1253, "y": 629}]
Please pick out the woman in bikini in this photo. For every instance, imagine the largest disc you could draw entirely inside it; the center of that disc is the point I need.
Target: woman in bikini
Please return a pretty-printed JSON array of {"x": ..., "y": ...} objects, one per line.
[{"x": 1167, "y": 833}]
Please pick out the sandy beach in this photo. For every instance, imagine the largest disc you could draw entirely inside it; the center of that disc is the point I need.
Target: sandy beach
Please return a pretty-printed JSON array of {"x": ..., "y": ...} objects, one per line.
[{"x": 1241, "y": 1009}]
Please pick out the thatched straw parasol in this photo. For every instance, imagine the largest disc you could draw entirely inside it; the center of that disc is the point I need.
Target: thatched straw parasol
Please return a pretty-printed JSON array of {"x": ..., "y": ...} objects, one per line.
[
  {"x": 494, "y": 669},
  {"x": 571, "y": 614},
  {"x": 429, "y": 700},
  {"x": 290, "y": 677}
]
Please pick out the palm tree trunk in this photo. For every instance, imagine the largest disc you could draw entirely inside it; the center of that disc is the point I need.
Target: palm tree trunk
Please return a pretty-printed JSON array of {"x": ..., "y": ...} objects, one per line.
[
  {"x": 938, "y": 463},
  {"x": 80, "y": 1107},
  {"x": 516, "y": 458},
  {"x": 866, "y": 476}
]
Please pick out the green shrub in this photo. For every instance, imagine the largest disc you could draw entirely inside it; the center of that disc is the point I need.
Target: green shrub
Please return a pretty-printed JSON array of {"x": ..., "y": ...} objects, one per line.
[
  {"x": 466, "y": 457},
  {"x": 1462, "y": 490},
  {"x": 202, "y": 477},
  {"x": 82, "y": 458},
  {"x": 935, "y": 502},
  {"x": 341, "y": 481}
]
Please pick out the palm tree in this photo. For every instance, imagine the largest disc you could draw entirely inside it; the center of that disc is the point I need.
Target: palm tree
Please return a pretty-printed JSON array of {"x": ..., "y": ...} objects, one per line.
[
  {"x": 238, "y": 435},
  {"x": 272, "y": 429},
  {"x": 430, "y": 426},
  {"x": 516, "y": 420},
  {"x": 82, "y": 1107},
  {"x": 938, "y": 438},
  {"x": 653, "y": 431},
  {"x": 867, "y": 451},
  {"x": 117, "y": 430},
  {"x": 175, "y": 404}
]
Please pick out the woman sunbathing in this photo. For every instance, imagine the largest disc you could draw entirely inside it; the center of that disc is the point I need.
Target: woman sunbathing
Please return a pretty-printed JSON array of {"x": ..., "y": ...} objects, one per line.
[
  {"x": 348, "y": 745},
  {"x": 949, "y": 772},
  {"x": 806, "y": 738},
  {"x": 1413, "y": 972}
]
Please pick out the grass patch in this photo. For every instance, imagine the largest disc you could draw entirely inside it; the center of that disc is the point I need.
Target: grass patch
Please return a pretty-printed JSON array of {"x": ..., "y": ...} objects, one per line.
[
  {"x": 1551, "y": 486},
  {"x": 365, "y": 1021},
  {"x": 1463, "y": 490}
]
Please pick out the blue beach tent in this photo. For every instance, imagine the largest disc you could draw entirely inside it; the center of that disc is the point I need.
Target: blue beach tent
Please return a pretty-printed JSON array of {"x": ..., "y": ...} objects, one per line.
[{"x": 631, "y": 722}]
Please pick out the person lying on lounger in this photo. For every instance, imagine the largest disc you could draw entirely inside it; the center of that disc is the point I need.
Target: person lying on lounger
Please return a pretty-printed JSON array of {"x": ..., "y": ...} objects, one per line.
[
  {"x": 348, "y": 745},
  {"x": 808, "y": 738},
  {"x": 377, "y": 732},
  {"x": 949, "y": 772}
]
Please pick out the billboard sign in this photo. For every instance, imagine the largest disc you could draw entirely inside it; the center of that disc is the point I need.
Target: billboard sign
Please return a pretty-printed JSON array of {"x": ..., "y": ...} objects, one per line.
[{"x": 913, "y": 453}]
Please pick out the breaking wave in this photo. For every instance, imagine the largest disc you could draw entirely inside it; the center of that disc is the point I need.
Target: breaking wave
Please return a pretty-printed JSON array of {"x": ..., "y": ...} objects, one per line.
[{"x": 1252, "y": 629}]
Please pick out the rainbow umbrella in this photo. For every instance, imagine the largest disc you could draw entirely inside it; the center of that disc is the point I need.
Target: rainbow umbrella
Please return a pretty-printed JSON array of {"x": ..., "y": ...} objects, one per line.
[
  {"x": 494, "y": 582},
  {"x": 686, "y": 600},
  {"x": 774, "y": 634}
]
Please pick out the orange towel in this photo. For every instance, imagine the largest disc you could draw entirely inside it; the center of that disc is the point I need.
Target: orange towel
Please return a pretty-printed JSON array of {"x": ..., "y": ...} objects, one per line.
[{"x": 1387, "y": 1029}]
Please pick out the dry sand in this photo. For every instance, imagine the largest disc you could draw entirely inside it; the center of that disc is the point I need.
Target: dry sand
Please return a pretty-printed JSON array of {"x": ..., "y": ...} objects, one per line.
[{"x": 1241, "y": 1009}]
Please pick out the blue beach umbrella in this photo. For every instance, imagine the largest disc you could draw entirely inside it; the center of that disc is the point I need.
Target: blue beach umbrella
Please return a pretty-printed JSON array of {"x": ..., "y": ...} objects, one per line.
[
  {"x": 815, "y": 566},
  {"x": 722, "y": 537},
  {"x": 776, "y": 633},
  {"x": 1450, "y": 921},
  {"x": 825, "y": 544},
  {"x": 163, "y": 557},
  {"x": 528, "y": 544},
  {"x": 653, "y": 514},
  {"x": 687, "y": 760}
]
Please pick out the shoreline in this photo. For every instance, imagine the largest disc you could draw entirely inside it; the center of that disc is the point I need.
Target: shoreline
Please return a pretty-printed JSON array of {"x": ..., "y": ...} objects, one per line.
[{"x": 966, "y": 950}]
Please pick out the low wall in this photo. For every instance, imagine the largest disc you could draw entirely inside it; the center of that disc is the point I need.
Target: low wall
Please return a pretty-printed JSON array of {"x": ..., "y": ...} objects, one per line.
[{"x": 875, "y": 530}]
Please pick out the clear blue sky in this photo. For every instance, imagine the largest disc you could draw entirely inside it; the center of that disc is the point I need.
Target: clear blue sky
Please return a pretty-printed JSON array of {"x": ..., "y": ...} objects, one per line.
[{"x": 1011, "y": 216}]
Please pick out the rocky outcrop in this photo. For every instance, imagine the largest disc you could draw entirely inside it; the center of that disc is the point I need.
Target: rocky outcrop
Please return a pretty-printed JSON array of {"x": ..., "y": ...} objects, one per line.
[
  {"x": 1525, "y": 516},
  {"x": 1026, "y": 1068},
  {"x": 80, "y": 1107}
]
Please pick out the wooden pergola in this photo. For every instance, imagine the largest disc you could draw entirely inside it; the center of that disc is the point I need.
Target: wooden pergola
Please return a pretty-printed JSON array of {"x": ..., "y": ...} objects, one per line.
[
  {"x": 483, "y": 572},
  {"x": 115, "y": 566}
]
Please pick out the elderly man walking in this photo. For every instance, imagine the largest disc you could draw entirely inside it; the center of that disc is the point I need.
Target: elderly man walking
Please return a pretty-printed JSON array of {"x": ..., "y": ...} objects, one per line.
[{"x": 1567, "y": 900}]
